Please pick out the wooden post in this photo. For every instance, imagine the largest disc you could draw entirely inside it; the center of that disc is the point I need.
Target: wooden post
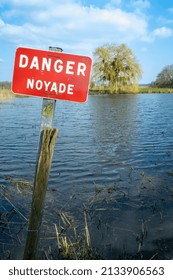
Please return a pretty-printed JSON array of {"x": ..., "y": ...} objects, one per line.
[
  {"x": 46, "y": 147},
  {"x": 48, "y": 138}
]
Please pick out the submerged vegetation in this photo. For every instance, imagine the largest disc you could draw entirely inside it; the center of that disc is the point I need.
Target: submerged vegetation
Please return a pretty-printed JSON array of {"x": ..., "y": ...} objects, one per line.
[
  {"x": 66, "y": 236},
  {"x": 72, "y": 245}
]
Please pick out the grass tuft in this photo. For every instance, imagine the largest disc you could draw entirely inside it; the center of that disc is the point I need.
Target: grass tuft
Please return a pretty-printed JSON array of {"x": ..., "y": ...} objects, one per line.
[{"x": 75, "y": 247}]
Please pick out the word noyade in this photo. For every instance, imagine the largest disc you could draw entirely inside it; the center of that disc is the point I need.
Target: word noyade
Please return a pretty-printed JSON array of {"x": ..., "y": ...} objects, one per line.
[{"x": 57, "y": 88}]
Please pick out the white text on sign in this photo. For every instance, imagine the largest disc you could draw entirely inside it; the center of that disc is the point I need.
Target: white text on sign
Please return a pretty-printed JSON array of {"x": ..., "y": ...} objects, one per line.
[
  {"x": 47, "y": 65},
  {"x": 58, "y": 88}
]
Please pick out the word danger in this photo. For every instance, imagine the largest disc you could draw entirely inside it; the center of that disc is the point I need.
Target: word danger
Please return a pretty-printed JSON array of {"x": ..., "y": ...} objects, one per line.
[
  {"x": 47, "y": 64},
  {"x": 58, "y": 88}
]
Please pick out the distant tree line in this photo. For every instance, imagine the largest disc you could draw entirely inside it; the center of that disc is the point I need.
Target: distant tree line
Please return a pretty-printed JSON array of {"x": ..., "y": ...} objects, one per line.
[
  {"x": 165, "y": 78},
  {"x": 5, "y": 85}
]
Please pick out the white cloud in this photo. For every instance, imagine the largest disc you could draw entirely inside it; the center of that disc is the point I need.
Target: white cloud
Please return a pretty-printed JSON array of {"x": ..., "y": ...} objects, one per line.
[
  {"x": 28, "y": 3},
  {"x": 70, "y": 23},
  {"x": 140, "y": 4},
  {"x": 36, "y": 3},
  {"x": 1, "y": 23},
  {"x": 19, "y": 34},
  {"x": 170, "y": 10},
  {"x": 164, "y": 20},
  {"x": 140, "y": 7},
  {"x": 162, "y": 32}
]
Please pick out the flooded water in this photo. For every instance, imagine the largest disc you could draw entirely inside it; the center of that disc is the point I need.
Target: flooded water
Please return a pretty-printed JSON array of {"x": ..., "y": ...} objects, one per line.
[{"x": 113, "y": 159}]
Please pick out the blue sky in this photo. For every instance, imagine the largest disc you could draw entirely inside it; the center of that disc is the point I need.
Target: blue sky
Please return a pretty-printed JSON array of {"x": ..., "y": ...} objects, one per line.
[{"x": 80, "y": 26}]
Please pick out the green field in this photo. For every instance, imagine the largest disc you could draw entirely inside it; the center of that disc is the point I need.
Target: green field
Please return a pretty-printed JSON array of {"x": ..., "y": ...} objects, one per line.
[
  {"x": 155, "y": 90},
  {"x": 141, "y": 89}
]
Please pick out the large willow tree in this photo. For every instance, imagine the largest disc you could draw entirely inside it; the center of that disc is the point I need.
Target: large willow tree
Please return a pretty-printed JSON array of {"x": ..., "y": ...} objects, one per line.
[{"x": 116, "y": 67}]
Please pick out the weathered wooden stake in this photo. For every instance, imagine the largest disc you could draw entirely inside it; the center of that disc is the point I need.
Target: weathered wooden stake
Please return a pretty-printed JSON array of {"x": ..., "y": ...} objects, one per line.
[
  {"x": 46, "y": 147},
  {"x": 48, "y": 138}
]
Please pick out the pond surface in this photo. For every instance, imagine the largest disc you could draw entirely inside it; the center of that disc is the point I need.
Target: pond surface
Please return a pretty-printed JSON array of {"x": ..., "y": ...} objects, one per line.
[{"x": 113, "y": 159}]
